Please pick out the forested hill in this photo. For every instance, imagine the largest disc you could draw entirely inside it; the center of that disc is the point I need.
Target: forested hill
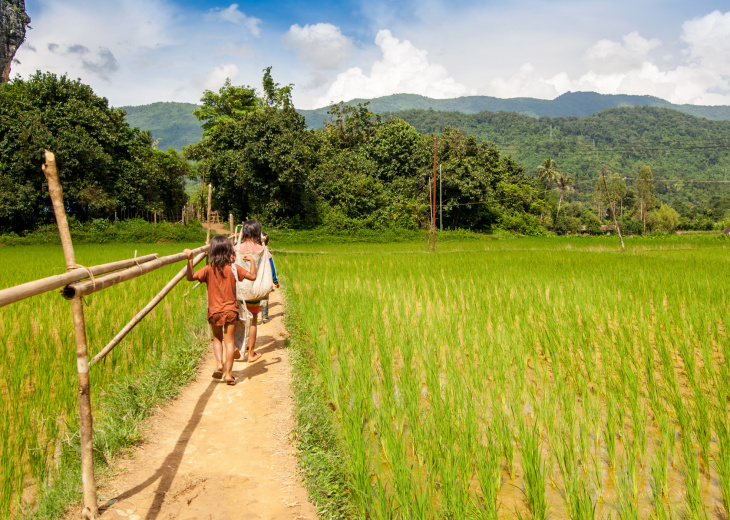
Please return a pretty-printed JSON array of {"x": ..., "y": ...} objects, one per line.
[
  {"x": 675, "y": 145},
  {"x": 172, "y": 123},
  {"x": 176, "y": 126},
  {"x": 579, "y": 104}
]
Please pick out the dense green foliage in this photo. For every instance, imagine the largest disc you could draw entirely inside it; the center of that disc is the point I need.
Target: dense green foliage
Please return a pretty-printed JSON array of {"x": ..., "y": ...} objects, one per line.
[
  {"x": 105, "y": 166},
  {"x": 689, "y": 156},
  {"x": 357, "y": 171},
  {"x": 103, "y": 231},
  {"x": 172, "y": 123}
]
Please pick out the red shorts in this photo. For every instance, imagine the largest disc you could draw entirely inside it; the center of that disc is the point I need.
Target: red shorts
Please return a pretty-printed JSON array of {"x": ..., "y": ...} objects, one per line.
[{"x": 224, "y": 318}]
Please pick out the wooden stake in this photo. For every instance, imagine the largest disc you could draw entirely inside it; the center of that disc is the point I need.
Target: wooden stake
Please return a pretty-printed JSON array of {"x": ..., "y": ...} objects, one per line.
[
  {"x": 230, "y": 222},
  {"x": 91, "y": 508},
  {"x": 210, "y": 191}
]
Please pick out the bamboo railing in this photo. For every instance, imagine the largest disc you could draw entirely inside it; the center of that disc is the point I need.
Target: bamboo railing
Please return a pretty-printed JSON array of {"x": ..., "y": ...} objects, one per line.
[{"x": 78, "y": 282}]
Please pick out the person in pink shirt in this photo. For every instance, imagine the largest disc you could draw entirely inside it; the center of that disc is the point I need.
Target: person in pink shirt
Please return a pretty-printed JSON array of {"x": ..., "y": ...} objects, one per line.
[{"x": 250, "y": 242}]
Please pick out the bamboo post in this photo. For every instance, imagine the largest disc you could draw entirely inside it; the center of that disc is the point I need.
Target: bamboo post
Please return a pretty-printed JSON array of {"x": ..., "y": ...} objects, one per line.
[
  {"x": 613, "y": 209},
  {"x": 230, "y": 222},
  {"x": 144, "y": 312},
  {"x": 210, "y": 191},
  {"x": 91, "y": 508}
]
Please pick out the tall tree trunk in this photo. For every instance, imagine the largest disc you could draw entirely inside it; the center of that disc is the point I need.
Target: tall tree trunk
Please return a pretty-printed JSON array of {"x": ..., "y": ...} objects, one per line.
[{"x": 559, "y": 203}]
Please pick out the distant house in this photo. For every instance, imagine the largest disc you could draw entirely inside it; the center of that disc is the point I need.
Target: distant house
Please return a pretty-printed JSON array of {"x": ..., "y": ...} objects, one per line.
[{"x": 608, "y": 229}]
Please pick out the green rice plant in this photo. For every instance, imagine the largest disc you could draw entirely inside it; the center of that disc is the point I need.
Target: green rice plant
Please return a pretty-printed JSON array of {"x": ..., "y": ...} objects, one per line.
[
  {"x": 702, "y": 424},
  {"x": 534, "y": 472},
  {"x": 627, "y": 487},
  {"x": 722, "y": 461},
  {"x": 693, "y": 494},
  {"x": 560, "y": 332},
  {"x": 609, "y": 435},
  {"x": 582, "y": 504},
  {"x": 489, "y": 475}
]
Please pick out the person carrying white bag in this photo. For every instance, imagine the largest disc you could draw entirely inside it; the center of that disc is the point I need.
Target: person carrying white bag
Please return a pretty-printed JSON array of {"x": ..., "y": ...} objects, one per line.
[{"x": 250, "y": 293}]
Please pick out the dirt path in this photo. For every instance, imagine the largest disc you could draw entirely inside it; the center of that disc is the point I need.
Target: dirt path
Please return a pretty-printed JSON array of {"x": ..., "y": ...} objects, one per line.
[{"x": 217, "y": 451}]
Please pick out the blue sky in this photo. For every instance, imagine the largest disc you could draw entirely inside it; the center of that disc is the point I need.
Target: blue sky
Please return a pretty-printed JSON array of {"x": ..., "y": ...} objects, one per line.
[{"x": 136, "y": 52}]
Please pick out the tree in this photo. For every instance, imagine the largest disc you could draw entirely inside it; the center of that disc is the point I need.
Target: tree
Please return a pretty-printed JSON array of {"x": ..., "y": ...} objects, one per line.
[
  {"x": 645, "y": 201},
  {"x": 548, "y": 173},
  {"x": 231, "y": 103},
  {"x": 664, "y": 219},
  {"x": 600, "y": 201},
  {"x": 104, "y": 165},
  {"x": 258, "y": 155},
  {"x": 617, "y": 189},
  {"x": 564, "y": 181}
]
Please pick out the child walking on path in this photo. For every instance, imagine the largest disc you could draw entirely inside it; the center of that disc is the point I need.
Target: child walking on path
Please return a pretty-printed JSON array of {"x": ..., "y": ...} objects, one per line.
[
  {"x": 251, "y": 241},
  {"x": 222, "y": 303},
  {"x": 265, "y": 303}
]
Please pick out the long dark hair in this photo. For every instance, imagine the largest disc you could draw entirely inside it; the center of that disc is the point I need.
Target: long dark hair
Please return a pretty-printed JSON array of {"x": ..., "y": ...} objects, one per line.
[
  {"x": 252, "y": 231},
  {"x": 221, "y": 251}
]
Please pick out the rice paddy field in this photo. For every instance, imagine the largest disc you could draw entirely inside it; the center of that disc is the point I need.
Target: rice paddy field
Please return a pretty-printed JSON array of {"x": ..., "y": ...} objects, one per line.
[
  {"x": 38, "y": 380},
  {"x": 527, "y": 378}
]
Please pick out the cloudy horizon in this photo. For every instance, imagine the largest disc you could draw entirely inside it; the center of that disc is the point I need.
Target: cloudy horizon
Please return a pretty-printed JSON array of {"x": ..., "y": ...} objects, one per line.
[{"x": 136, "y": 52}]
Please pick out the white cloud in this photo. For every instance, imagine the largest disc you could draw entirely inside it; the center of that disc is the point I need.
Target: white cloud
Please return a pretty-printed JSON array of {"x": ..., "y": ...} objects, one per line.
[
  {"x": 322, "y": 45},
  {"x": 71, "y": 38},
  {"x": 709, "y": 40},
  {"x": 608, "y": 57},
  {"x": 218, "y": 76},
  {"x": 234, "y": 15},
  {"x": 402, "y": 69},
  {"x": 627, "y": 67}
]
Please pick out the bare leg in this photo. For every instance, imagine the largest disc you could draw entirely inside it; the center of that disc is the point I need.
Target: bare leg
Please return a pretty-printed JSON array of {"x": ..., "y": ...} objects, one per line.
[
  {"x": 229, "y": 332},
  {"x": 252, "y": 340},
  {"x": 218, "y": 345}
]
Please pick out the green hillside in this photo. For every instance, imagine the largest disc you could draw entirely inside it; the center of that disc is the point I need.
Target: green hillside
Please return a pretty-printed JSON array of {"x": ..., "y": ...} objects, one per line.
[
  {"x": 578, "y": 104},
  {"x": 176, "y": 126},
  {"x": 173, "y": 123},
  {"x": 688, "y": 155}
]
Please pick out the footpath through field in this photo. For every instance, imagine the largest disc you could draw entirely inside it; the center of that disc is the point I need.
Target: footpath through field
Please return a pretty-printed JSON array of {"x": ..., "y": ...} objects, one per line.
[{"x": 218, "y": 451}]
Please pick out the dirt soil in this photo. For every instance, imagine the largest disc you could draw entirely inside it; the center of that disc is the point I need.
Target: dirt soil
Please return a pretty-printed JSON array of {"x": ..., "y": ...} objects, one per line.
[{"x": 218, "y": 451}]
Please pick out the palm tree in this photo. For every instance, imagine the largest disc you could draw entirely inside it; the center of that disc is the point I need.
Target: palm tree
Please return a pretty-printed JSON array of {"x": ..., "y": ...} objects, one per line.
[
  {"x": 548, "y": 173},
  {"x": 564, "y": 182}
]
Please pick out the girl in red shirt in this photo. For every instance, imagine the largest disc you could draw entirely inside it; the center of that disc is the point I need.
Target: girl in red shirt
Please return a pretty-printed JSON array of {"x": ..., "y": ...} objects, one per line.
[{"x": 222, "y": 303}]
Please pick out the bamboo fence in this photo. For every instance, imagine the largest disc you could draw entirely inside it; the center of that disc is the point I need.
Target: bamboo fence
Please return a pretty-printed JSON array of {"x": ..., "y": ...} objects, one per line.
[{"x": 78, "y": 282}]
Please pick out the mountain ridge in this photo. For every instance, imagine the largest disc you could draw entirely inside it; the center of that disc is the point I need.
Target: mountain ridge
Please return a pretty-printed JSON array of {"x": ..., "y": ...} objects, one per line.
[{"x": 176, "y": 126}]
